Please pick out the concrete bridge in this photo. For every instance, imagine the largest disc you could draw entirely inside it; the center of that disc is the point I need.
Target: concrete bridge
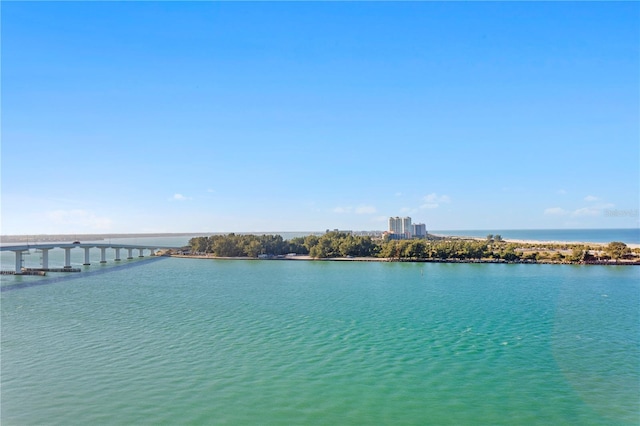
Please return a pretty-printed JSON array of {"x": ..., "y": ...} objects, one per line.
[{"x": 19, "y": 250}]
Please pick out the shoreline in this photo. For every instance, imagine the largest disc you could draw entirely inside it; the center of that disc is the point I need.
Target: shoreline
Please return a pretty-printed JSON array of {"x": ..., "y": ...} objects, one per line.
[{"x": 387, "y": 259}]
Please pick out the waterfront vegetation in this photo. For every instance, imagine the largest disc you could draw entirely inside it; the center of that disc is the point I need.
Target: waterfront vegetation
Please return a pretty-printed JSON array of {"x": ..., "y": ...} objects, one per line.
[{"x": 346, "y": 245}]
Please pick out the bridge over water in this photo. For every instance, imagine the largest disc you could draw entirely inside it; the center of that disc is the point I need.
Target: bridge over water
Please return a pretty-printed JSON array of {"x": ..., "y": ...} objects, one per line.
[{"x": 19, "y": 250}]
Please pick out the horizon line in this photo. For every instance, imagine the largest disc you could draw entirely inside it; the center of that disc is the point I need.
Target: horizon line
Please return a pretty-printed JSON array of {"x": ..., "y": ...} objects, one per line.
[{"x": 181, "y": 233}]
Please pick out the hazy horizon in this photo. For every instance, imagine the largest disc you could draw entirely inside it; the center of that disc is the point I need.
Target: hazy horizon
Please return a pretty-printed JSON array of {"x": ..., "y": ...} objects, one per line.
[{"x": 301, "y": 231}]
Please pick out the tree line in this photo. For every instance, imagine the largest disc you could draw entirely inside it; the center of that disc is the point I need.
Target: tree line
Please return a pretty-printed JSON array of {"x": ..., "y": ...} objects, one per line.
[
  {"x": 246, "y": 245},
  {"x": 341, "y": 244}
]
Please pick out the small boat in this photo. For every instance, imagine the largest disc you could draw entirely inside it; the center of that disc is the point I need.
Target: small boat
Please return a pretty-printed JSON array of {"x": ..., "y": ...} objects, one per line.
[{"x": 76, "y": 242}]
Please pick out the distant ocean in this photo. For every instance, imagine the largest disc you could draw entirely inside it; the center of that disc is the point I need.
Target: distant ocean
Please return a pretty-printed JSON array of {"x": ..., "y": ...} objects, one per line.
[{"x": 629, "y": 236}]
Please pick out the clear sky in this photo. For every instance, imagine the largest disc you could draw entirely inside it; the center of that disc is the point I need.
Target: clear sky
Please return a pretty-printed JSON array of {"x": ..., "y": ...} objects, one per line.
[{"x": 231, "y": 117}]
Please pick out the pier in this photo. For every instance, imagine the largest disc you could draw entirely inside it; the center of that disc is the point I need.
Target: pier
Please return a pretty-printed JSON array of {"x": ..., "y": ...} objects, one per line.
[{"x": 20, "y": 250}]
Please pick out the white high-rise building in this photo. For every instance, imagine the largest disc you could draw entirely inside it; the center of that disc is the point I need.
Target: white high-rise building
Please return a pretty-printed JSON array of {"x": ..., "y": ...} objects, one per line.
[
  {"x": 406, "y": 227},
  {"x": 400, "y": 226},
  {"x": 395, "y": 225}
]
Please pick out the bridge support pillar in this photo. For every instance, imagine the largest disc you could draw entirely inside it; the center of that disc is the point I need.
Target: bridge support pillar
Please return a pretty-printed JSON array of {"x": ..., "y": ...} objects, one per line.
[
  {"x": 130, "y": 256},
  {"x": 67, "y": 258},
  {"x": 117, "y": 249},
  {"x": 140, "y": 252},
  {"x": 153, "y": 252},
  {"x": 45, "y": 258},
  {"x": 87, "y": 260},
  {"x": 18, "y": 261},
  {"x": 103, "y": 255}
]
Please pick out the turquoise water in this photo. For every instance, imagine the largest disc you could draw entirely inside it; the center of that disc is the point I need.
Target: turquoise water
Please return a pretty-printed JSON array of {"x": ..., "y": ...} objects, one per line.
[{"x": 186, "y": 341}]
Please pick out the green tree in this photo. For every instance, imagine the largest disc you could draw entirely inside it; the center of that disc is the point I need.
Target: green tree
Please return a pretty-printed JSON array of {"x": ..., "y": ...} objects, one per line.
[
  {"x": 509, "y": 253},
  {"x": 199, "y": 244},
  {"x": 617, "y": 250},
  {"x": 390, "y": 249},
  {"x": 297, "y": 246},
  {"x": 417, "y": 249},
  {"x": 318, "y": 251},
  {"x": 310, "y": 241},
  {"x": 475, "y": 249},
  {"x": 253, "y": 249},
  {"x": 404, "y": 249},
  {"x": 577, "y": 254},
  {"x": 224, "y": 247},
  {"x": 443, "y": 250},
  {"x": 347, "y": 246},
  {"x": 366, "y": 246}
]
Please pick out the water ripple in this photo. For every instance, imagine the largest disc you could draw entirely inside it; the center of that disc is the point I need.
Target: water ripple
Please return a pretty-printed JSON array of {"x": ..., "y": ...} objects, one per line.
[{"x": 180, "y": 342}]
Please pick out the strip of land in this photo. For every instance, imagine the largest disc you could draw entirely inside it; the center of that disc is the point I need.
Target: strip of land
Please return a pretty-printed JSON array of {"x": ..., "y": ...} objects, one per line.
[
  {"x": 566, "y": 243},
  {"x": 343, "y": 246}
]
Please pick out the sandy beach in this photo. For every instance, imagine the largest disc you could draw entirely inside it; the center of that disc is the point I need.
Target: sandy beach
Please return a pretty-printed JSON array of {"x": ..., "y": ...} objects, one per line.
[
  {"x": 556, "y": 242},
  {"x": 594, "y": 245}
]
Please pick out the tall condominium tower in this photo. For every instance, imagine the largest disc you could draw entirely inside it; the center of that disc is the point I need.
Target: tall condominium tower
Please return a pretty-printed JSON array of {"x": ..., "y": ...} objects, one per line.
[
  {"x": 406, "y": 227},
  {"x": 401, "y": 226},
  {"x": 419, "y": 230},
  {"x": 395, "y": 225}
]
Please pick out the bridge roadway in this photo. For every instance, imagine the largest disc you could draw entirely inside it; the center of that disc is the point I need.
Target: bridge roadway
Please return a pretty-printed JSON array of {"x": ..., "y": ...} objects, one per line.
[{"x": 67, "y": 247}]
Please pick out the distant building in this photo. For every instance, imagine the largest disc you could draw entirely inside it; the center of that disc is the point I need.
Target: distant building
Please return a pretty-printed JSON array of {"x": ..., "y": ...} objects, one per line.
[
  {"x": 395, "y": 225},
  {"x": 406, "y": 227},
  {"x": 391, "y": 236},
  {"x": 419, "y": 230},
  {"x": 344, "y": 231},
  {"x": 400, "y": 227}
]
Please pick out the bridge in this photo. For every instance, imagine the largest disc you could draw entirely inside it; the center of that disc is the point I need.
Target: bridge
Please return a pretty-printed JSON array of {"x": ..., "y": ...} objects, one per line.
[{"x": 19, "y": 250}]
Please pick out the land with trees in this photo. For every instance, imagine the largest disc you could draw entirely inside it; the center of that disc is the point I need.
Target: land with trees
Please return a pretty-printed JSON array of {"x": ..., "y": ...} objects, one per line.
[{"x": 341, "y": 245}]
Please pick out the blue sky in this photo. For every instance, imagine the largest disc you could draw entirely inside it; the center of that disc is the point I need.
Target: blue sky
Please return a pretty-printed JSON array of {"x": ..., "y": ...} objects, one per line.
[{"x": 221, "y": 117}]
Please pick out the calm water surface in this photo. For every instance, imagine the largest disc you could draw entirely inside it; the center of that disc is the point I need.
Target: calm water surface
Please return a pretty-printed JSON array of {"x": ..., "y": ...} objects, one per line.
[{"x": 184, "y": 341}]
